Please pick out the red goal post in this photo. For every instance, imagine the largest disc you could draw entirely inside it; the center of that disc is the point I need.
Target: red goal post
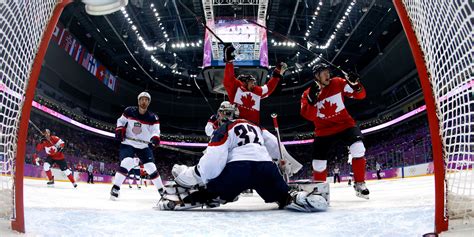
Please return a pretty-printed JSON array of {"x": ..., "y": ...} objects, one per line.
[
  {"x": 26, "y": 29},
  {"x": 440, "y": 37}
]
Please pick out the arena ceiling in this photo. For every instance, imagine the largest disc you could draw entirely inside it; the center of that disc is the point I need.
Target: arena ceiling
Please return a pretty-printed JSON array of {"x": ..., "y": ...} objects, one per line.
[{"x": 125, "y": 40}]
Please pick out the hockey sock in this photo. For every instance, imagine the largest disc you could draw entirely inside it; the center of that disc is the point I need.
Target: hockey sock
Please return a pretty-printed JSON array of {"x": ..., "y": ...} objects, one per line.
[
  {"x": 319, "y": 170},
  {"x": 154, "y": 176},
  {"x": 49, "y": 174},
  {"x": 71, "y": 178},
  {"x": 320, "y": 176},
  {"x": 68, "y": 173},
  {"x": 156, "y": 180},
  {"x": 358, "y": 167}
]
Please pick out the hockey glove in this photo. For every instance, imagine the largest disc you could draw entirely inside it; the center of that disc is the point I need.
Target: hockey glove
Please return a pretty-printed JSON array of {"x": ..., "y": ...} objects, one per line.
[
  {"x": 215, "y": 121},
  {"x": 186, "y": 176},
  {"x": 313, "y": 94},
  {"x": 353, "y": 80},
  {"x": 229, "y": 55},
  {"x": 120, "y": 133},
  {"x": 155, "y": 141},
  {"x": 280, "y": 69}
]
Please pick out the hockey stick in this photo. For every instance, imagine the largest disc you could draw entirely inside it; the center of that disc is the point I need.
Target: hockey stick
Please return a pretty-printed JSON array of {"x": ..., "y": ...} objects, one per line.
[
  {"x": 167, "y": 147},
  {"x": 205, "y": 98},
  {"x": 293, "y": 164},
  {"x": 275, "y": 124},
  {"x": 298, "y": 44},
  {"x": 36, "y": 127}
]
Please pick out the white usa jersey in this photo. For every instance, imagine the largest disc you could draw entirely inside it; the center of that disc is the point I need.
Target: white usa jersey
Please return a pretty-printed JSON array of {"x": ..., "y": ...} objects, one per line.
[
  {"x": 139, "y": 126},
  {"x": 238, "y": 140}
]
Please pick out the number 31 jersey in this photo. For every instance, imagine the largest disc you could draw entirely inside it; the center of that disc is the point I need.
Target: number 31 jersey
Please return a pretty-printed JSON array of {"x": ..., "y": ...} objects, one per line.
[{"x": 238, "y": 140}]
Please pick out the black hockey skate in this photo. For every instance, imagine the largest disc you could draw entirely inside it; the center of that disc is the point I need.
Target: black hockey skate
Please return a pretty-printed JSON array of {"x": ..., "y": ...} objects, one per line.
[
  {"x": 50, "y": 183},
  {"x": 75, "y": 185},
  {"x": 114, "y": 192},
  {"x": 361, "y": 190}
]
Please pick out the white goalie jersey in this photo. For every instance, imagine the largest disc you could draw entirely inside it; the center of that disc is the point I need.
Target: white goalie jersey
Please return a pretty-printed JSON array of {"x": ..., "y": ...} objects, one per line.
[{"x": 238, "y": 140}]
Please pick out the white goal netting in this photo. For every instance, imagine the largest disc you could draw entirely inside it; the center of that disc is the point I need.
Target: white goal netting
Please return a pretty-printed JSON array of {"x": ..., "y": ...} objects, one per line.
[
  {"x": 444, "y": 30},
  {"x": 22, "y": 24}
]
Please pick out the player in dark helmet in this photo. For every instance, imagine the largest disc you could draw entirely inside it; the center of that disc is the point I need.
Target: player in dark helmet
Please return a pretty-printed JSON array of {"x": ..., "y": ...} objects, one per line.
[
  {"x": 323, "y": 104},
  {"x": 248, "y": 80}
]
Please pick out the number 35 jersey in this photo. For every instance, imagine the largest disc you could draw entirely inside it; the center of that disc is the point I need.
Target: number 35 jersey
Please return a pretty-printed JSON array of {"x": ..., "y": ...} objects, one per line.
[{"x": 238, "y": 140}]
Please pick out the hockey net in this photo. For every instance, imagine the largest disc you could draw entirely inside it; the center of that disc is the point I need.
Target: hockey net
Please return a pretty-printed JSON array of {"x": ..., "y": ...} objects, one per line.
[
  {"x": 23, "y": 25},
  {"x": 443, "y": 31}
]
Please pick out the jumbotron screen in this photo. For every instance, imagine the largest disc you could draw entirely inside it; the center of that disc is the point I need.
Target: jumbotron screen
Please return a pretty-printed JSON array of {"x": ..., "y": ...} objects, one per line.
[{"x": 245, "y": 37}]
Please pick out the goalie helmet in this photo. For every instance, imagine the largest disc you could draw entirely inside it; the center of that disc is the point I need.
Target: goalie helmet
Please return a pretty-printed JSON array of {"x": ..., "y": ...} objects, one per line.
[
  {"x": 228, "y": 111},
  {"x": 144, "y": 94},
  {"x": 246, "y": 78},
  {"x": 320, "y": 67}
]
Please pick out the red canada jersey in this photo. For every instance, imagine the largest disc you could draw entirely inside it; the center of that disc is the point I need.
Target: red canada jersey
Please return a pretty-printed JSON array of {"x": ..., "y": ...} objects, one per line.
[
  {"x": 329, "y": 113},
  {"x": 247, "y": 101},
  {"x": 50, "y": 147},
  {"x": 142, "y": 170}
]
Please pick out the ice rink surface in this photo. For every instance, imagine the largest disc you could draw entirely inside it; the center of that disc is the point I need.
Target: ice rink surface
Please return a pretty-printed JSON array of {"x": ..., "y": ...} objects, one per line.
[{"x": 398, "y": 207}]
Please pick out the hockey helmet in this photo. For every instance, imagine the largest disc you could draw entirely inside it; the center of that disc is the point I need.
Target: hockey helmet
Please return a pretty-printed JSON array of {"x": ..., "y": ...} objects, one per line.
[
  {"x": 228, "y": 111},
  {"x": 320, "y": 67},
  {"x": 246, "y": 78},
  {"x": 144, "y": 94}
]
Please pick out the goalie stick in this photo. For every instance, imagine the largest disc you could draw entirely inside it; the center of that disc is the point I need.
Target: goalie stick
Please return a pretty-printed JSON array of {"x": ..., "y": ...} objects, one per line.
[
  {"x": 294, "y": 165},
  {"x": 168, "y": 147}
]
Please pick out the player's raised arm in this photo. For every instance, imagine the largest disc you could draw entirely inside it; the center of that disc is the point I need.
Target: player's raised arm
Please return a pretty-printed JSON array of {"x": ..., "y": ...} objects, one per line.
[
  {"x": 277, "y": 76},
  {"x": 308, "y": 100},
  {"x": 353, "y": 88},
  {"x": 230, "y": 82}
]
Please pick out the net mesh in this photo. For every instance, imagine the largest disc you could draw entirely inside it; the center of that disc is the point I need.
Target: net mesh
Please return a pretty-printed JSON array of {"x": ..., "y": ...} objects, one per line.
[
  {"x": 444, "y": 32},
  {"x": 22, "y": 23}
]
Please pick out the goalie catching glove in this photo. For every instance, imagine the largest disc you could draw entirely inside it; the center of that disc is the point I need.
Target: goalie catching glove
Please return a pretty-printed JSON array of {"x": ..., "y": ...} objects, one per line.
[{"x": 186, "y": 176}]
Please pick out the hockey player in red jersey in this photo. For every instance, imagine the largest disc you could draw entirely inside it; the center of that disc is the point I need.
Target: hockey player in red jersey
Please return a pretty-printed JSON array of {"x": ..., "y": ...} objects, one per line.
[
  {"x": 323, "y": 104},
  {"x": 53, "y": 147},
  {"x": 243, "y": 90}
]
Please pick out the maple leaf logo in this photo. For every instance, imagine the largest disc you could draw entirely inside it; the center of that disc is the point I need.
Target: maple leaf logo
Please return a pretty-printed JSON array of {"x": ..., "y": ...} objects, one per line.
[
  {"x": 247, "y": 101},
  {"x": 328, "y": 109}
]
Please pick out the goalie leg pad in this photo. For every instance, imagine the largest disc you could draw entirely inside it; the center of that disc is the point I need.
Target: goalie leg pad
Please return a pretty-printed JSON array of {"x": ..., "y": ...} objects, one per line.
[
  {"x": 180, "y": 198},
  {"x": 307, "y": 202},
  {"x": 316, "y": 188},
  {"x": 186, "y": 176}
]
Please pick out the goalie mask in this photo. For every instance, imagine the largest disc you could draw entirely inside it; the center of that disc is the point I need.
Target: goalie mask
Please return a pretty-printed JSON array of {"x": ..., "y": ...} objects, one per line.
[{"x": 227, "y": 111}]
